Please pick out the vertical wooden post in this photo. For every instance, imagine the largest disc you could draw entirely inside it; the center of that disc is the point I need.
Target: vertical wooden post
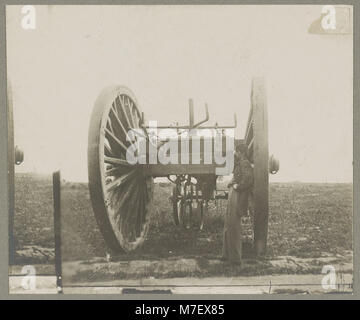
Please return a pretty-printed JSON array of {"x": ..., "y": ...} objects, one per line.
[
  {"x": 261, "y": 165},
  {"x": 191, "y": 124},
  {"x": 191, "y": 113},
  {"x": 57, "y": 228}
]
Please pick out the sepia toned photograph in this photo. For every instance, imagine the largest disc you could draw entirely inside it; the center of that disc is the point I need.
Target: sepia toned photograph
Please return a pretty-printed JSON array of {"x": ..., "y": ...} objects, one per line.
[{"x": 180, "y": 149}]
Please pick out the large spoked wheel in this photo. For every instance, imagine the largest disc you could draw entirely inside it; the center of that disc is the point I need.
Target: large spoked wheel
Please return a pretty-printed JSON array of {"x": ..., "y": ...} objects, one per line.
[
  {"x": 121, "y": 195},
  {"x": 256, "y": 138}
]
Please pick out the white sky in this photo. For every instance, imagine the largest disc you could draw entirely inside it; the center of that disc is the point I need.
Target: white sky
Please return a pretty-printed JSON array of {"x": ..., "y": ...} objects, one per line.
[{"x": 168, "y": 54}]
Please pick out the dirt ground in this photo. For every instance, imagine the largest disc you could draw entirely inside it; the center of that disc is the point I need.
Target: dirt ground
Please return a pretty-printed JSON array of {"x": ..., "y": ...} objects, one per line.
[{"x": 307, "y": 221}]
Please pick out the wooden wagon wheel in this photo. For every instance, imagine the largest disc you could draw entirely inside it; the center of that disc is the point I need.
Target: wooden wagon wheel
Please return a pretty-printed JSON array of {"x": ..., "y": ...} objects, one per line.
[
  {"x": 121, "y": 195},
  {"x": 256, "y": 138}
]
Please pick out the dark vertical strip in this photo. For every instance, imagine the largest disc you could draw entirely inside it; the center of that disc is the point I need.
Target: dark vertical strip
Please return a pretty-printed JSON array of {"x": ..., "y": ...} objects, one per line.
[
  {"x": 356, "y": 145},
  {"x": 191, "y": 113},
  {"x": 11, "y": 173},
  {"x": 57, "y": 228},
  {"x": 261, "y": 166}
]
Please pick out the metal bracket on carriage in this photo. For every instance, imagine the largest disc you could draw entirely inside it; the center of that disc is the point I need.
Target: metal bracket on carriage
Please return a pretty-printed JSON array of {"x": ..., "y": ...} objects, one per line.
[{"x": 193, "y": 125}]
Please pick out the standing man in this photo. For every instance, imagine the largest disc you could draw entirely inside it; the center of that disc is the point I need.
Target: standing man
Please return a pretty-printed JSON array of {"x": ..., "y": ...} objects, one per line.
[{"x": 238, "y": 201}]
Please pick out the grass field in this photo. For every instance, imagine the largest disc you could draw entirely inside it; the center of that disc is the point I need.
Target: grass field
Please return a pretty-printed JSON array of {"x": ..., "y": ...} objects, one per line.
[
  {"x": 306, "y": 221},
  {"x": 33, "y": 210}
]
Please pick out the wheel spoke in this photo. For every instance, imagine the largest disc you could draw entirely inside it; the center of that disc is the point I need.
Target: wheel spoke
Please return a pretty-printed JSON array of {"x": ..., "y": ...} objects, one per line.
[
  {"x": 113, "y": 147},
  {"x": 133, "y": 114},
  {"x": 111, "y": 171},
  {"x": 117, "y": 161},
  {"x": 107, "y": 151},
  {"x": 122, "y": 200},
  {"x": 109, "y": 125},
  {"x": 123, "y": 108},
  {"x": 120, "y": 180},
  {"x": 110, "y": 136},
  {"x": 129, "y": 109},
  {"x": 128, "y": 214},
  {"x": 116, "y": 116},
  {"x": 136, "y": 117}
]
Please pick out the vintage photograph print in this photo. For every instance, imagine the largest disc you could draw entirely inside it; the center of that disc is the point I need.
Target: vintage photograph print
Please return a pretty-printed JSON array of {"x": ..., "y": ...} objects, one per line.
[{"x": 199, "y": 149}]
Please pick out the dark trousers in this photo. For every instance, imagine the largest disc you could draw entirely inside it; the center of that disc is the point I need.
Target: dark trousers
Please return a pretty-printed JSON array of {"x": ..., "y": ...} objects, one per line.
[{"x": 232, "y": 237}]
